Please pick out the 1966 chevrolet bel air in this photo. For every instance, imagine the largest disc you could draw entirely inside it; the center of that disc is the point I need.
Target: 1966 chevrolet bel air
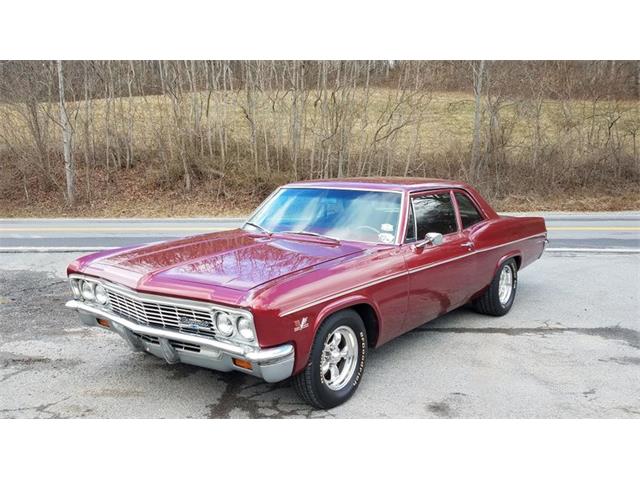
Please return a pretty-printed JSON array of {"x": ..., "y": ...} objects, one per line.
[{"x": 320, "y": 273}]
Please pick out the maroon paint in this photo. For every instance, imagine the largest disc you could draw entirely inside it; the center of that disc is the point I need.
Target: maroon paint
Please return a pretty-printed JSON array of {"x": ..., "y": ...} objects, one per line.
[{"x": 275, "y": 275}]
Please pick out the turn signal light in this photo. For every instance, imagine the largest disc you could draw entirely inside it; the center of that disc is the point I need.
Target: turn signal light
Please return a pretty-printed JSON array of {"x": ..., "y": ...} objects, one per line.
[
  {"x": 242, "y": 363},
  {"x": 104, "y": 323}
]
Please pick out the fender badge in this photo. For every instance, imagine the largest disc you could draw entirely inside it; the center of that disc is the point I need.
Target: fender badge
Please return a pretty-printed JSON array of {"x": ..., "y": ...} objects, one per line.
[{"x": 300, "y": 324}]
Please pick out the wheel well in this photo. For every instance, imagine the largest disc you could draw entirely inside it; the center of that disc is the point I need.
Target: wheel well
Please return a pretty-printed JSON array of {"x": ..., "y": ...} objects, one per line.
[
  {"x": 518, "y": 260},
  {"x": 370, "y": 319}
]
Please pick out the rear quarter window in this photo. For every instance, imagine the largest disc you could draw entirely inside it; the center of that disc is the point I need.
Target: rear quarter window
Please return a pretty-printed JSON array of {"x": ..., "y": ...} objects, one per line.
[
  {"x": 434, "y": 213},
  {"x": 469, "y": 214}
]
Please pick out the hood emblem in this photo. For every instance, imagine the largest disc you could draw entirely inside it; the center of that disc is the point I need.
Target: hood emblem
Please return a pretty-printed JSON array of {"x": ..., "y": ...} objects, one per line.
[{"x": 300, "y": 324}]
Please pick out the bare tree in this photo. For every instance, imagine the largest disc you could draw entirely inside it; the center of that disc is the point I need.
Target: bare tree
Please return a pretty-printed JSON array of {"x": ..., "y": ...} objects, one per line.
[
  {"x": 478, "y": 76},
  {"x": 242, "y": 127},
  {"x": 67, "y": 137}
]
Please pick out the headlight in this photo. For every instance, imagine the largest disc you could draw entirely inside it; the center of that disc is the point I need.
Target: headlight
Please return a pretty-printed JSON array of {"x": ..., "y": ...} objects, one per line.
[
  {"x": 75, "y": 289},
  {"x": 101, "y": 294},
  {"x": 88, "y": 291},
  {"x": 245, "y": 329},
  {"x": 224, "y": 324}
]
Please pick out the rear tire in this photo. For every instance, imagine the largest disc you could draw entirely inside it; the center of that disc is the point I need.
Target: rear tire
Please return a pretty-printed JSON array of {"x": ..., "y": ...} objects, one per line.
[
  {"x": 336, "y": 363},
  {"x": 499, "y": 296}
]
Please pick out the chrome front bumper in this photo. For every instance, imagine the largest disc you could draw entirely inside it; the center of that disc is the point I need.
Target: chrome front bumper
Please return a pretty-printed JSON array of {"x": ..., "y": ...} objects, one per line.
[{"x": 271, "y": 364}]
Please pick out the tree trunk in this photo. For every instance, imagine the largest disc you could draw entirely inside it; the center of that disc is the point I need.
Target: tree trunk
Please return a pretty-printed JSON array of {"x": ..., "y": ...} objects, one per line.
[
  {"x": 67, "y": 135},
  {"x": 477, "y": 117}
]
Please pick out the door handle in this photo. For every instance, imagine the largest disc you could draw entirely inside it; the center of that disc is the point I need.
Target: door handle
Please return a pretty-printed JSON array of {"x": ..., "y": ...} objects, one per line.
[{"x": 468, "y": 245}]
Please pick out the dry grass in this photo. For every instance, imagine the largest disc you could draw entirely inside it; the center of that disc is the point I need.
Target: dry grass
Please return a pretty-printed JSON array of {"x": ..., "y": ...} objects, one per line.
[
  {"x": 443, "y": 132},
  {"x": 447, "y": 118},
  {"x": 130, "y": 197}
]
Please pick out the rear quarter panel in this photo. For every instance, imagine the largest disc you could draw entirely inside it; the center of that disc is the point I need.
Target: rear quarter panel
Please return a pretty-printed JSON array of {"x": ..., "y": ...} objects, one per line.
[{"x": 504, "y": 237}]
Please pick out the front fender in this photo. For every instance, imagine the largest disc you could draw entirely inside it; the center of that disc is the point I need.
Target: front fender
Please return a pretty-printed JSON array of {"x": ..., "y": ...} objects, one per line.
[
  {"x": 341, "y": 304},
  {"x": 304, "y": 339}
]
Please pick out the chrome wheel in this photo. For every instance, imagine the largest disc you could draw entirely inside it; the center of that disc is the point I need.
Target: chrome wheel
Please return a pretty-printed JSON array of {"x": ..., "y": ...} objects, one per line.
[
  {"x": 339, "y": 357},
  {"x": 505, "y": 285}
]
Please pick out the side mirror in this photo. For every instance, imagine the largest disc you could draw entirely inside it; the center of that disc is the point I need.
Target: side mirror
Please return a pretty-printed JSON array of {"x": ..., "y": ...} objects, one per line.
[{"x": 431, "y": 238}]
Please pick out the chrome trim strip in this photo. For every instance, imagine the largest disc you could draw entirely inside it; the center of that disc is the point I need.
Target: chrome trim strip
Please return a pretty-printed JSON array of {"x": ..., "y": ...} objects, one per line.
[
  {"x": 402, "y": 215},
  {"x": 361, "y": 189},
  {"x": 512, "y": 242},
  {"x": 400, "y": 274},
  {"x": 344, "y": 292},
  {"x": 437, "y": 264},
  {"x": 481, "y": 250}
]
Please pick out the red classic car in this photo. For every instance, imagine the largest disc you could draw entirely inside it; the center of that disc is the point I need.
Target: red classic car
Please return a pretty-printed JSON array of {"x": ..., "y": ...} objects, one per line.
[{"x": 320, "y": 273}]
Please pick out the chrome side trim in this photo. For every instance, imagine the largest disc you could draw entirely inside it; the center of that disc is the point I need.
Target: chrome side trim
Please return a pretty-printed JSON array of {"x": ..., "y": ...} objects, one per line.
[
  {"x": 512, "y": 242},
  {"x": 402, "y": 219},
  {"x": 442, "y": 262},
  {"x": 480, "y": 250},
  {"x": 361, "y": 189},
  {"x": 400, "y": 274},
  {"x": 343, "y": 292}
]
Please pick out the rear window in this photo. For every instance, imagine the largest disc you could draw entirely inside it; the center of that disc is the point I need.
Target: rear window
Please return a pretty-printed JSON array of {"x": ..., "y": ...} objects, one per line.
[{"x": 469, "y": 214}]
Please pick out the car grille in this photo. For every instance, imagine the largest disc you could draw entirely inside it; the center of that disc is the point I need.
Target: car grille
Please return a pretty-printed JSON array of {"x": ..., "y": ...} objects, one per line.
[
  {"x": 163, "y": 315},
  {"x": 187, "y": 347}
]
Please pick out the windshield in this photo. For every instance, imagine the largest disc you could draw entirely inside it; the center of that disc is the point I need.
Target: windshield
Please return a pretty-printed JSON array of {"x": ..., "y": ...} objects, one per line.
[{"x": 342, "y": 214}]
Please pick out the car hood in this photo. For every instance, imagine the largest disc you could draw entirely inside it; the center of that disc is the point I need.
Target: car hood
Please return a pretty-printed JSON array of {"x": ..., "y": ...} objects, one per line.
[{"x": 234, "y": 259}]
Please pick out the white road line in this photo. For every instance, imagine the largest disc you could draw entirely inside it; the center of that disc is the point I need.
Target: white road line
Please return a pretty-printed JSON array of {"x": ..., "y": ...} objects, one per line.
[
  {"x": 52, "y": 249},
  {"x": 45, "y": 249},
  {"x": 593, "y": 250}
]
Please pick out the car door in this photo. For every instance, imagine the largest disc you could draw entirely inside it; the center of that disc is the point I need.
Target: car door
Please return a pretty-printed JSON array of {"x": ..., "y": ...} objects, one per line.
[
  {"x": 472, "y": 223},
  {"x": 436, "y": 272}
]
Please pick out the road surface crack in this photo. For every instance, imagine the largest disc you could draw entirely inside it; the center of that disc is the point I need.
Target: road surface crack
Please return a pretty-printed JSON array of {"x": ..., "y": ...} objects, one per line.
[
  {"x": 257, "y": 405},
  {"x": 43, "y": 408}
]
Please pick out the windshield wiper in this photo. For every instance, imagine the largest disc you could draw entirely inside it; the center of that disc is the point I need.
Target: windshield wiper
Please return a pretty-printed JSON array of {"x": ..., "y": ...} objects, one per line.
[
  {"x": 259, "y": 227},
  {"x": 313, "y": 234}
]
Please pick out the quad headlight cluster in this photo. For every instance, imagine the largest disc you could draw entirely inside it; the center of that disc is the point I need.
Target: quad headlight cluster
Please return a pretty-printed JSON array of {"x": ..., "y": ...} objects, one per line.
[
  {"x": 235, "y": 325},
  {"x": 232, "y": 324},
  {"x": 89, "y": 291}
]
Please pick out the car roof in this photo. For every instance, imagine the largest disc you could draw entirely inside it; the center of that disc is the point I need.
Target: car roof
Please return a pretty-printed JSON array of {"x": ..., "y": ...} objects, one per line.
[{"x": 401, "y": 184}]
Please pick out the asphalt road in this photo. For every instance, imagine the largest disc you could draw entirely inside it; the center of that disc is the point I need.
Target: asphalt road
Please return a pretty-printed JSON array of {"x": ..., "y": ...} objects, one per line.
[
  {"x": 620, "y": 231},
  {"x": 569, "y": 348}
]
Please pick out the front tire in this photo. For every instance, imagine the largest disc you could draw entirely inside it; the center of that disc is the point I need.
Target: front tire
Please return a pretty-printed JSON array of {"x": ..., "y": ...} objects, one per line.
[
  {"x": 498, "y": 298},
  {"x": 336, "y": 363}
]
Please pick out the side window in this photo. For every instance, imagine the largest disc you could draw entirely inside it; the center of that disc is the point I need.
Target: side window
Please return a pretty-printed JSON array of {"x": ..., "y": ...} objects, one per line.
[
  {"x": 411, "y": 226},
  {"x": 434, "y": 213},
  {"x": 468, "y": 211}
]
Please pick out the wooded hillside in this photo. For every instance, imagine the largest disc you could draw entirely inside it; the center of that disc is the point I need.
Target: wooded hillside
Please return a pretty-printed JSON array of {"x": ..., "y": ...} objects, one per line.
[{"x": 214, "y": 137}]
